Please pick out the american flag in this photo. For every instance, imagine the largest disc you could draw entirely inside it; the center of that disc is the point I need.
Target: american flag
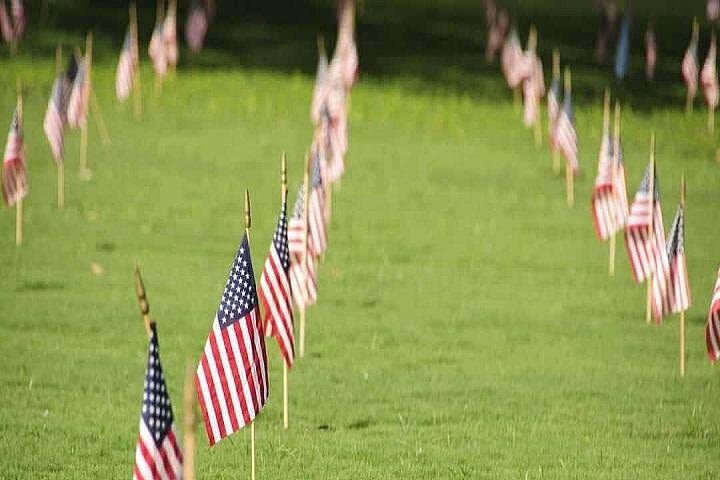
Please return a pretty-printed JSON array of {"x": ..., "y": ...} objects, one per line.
[
  {"x": 497, "y": 30},
  {"x": 565, "y": 134},
  {"x": 690, "y": 67},
  {"x": 316, "y": 208},
  {"x": 231, "y": 378},
  {"x": 196, "y": 26},
  {"x": 713, "y": 10},
  {"x": 169, "y": 35},
  {"x": 619, "y": 188},
  {"x": 330, "y": 145},
  {"x": 157, "y": 52},
  {"x": 650, "y": 53},
  {"x": 275, "y": 294},
  {"x": 533, "y": 89},
  {"x": 14, "y": 176},
  {"x": 126, "y": 68},
  {"x": 602, "y": 200},
  {"x": 17, "y": 10},
  {"x": 336, "y": 107},
  {"x": 645, "y": 242},
  {"x": 303, "y": 284},
  {"x": 678, "y": 286},
  {"x": 712, "y": 328},
  {"x": 158, "y": 454},
  {"x": 319, "y": 91},
  {"x": 511, "y": 59},
  {"x": 78, "y": 103},
  {"x": 708, "y": 76},
  {"x": 553, "y": 109},
  {"x": 346, "y": 49},
  {"x": 54, "y": 123},
  {"x": 6, "y": 27}
]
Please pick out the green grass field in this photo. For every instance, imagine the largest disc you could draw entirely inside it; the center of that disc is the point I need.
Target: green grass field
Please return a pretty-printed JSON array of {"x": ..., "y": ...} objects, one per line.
[{"x": 466, "y": 326}]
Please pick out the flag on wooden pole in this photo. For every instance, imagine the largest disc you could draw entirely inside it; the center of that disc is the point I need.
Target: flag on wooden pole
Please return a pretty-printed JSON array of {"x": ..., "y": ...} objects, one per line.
[
  {"x": 678, "y": 291},
  {"x": 345, "y": 48},
  {"x": 709, "y": 82},
  {"x": 565, "y": 134},
  {"x": 77, "y": 104},
  {"x": 511, "y": 59},
  {"x": 55, "y": 115},
  {"x": 318, "y": 104},
  {"x": 316, "y": 208},
  {"x": 169, "y": 34},
  {"x": 712, "y": 327},
  {"x": 690, "y": 68},
  {"x": 157, "y": 52},
  {"x": 127, "y": 65},
  {"x": 303, "y": 281},
  {"x": 157, "y": 455},
  {"x": 650, "y": 53},
  {"x": 14, "y": 173},
  {"x": 275, "y": 294},
  {"x": 645, "y": 241},
  {"x": 196, "y": 26},
  {"x": 231, "y": 378}
]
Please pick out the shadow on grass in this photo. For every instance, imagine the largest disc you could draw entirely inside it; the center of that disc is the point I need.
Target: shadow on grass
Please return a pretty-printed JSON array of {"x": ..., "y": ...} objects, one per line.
[{"x": 426, "y": 45}]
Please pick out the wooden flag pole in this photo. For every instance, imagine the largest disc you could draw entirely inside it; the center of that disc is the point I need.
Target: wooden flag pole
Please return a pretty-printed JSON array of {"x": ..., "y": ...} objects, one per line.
[
  {"x": 651, "y": 230},
  {"x": 690, "y": 97},
  {"x": 159, "y": 8},
  {"x": 189, "y": 423},
  {"x": 137, "y": 90},
  {"x": 142, "y": 300},
  {"x": 569, "y": 174},
  {"x": 61, "y": 163},
  {"x": 556, "y": 76},
  {"x": 84, "y": 170},
  {"x": 711, "y": 108},
  {"x": 682, "y": 313},
  {"x": 615, "y": 165},
  {"x": 19, "y": 201},
  {"x": 248, "y": 223},
  {"x": 306, "y": 229},
  {"x": 283, "y": 198}
]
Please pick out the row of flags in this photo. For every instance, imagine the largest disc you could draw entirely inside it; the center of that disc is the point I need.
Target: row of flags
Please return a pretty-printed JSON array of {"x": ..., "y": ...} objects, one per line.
[
  {"x": 231, "y": 379},
  {"x": 655, "y": 258}
]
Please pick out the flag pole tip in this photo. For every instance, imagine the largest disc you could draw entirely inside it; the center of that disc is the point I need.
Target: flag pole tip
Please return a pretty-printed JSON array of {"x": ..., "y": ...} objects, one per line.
[{"x": 247, "y": 209}]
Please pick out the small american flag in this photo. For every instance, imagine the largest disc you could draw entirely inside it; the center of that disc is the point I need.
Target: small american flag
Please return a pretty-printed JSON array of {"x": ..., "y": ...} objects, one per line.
[
  {"x": 498, "y": 27},
  {"x": 533, "y": 89},
  {"x": 678, "y": 286},
  {"x": 14, "y": 175},
  {"x": 231, "y": 378},
  {"x": 645, "y": 243},
  {"x": 303, "y": 284},
  {"x": 196, "y": 26},
  {"x": 320, "y": 89},
  {"x": 346, "y": 49},
  {"x": 169, "y": 35},
  {"x": 157, "y": 52},
  {"x": 54, "y": 123},
  {"x": 713, "y": 10},
  {"x": 690, "y": 67},
  {"x": 603, "y": 200},
  {"x": 78, "y": 103},
  {"x": 619, "y": 188},
  {"x": 331, "y": 148},
  {"x": 316, "y": 213},
  {"x": 158, "y": 454},
  {"x": 708, "y": 76},
  {"x": 17, "y": 10},
  {"x": 565, "y": 134},
  {"x": 511, "y": 59},
  {"x": 6, "y": 27},
  {"x": 712, "y": 328},
  {"x": 650, "y": 53},
  {"x": 127, "y": 64},
  {"x": 553, "y": 109},
  {"x": 275, "y": 294}
]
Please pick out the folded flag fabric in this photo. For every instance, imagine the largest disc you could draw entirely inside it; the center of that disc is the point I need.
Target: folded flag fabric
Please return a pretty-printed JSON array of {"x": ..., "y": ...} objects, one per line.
[{"x": 14, "y": 173}]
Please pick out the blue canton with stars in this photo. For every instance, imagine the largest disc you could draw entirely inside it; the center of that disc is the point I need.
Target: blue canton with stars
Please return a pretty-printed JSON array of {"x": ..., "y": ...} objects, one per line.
[
  {"x": 240, "y": 295},
  {"x": 156, "y": 409},
  {"x": 280, "y": 239}
]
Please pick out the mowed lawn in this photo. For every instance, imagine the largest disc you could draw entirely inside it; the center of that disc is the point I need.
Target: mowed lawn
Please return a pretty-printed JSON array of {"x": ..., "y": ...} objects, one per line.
[{"x": 466, "y": 326}]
